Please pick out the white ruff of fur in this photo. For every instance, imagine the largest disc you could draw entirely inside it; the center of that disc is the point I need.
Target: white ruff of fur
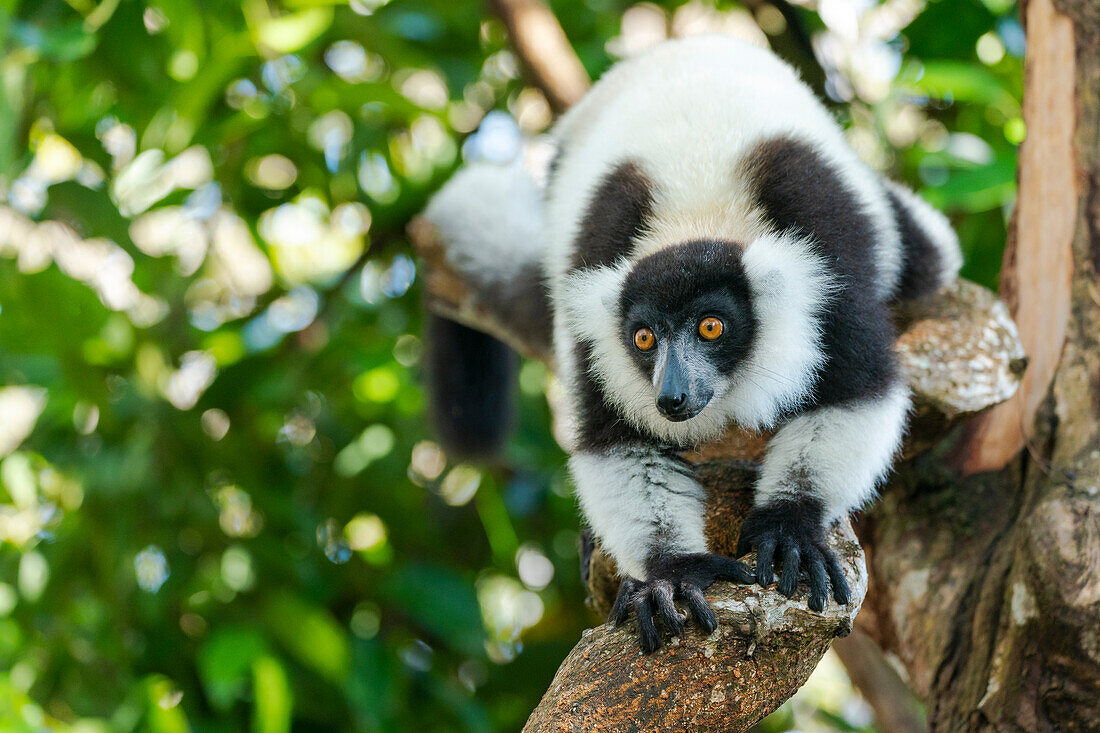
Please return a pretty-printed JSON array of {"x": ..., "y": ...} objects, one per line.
[
  {"x": 789, "y": 290},
  {"x": 839, "y": 453},
  {"x": 633, "y": 496}
]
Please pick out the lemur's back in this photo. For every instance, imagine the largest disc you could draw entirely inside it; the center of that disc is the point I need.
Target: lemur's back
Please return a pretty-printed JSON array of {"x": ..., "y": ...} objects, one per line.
[{"x": 690, "y": 113}]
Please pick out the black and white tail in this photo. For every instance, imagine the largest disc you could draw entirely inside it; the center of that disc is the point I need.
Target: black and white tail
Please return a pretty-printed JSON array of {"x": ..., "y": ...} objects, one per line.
[
  {"x": 472, "y": 378},
  {"x": 489, "y": 220},
  {"x": 931, "y": 257}
]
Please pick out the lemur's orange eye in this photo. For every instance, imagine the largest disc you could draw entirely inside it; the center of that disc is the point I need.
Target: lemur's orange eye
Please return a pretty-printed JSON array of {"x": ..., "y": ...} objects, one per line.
[
  {"x": 644, "y": 339},
  {"x": 710, "y": 328}
]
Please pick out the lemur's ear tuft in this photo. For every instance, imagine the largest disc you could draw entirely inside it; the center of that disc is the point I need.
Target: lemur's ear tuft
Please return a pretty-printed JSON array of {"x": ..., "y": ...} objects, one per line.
[{"x": 590, "y": 299}]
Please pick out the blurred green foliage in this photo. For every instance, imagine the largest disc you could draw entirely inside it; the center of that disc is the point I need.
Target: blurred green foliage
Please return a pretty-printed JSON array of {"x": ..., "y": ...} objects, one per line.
[{"x": 220, "y": 508}]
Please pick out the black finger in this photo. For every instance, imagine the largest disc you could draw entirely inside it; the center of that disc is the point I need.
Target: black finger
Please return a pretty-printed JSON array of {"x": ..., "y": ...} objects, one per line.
[
  {"x": 700, "y": 609},
  {"x": 621, "y": 609},
  {"x": 666, "y": 609},
  {"x": 836, "y": 576},
  {"x": 819, "y": 582},
  {"x": 647, "y": 630},
  {"x": 791, "y": 563},
  {"x": 764, "y": 553},
  {"x": 734, "y": 570}
]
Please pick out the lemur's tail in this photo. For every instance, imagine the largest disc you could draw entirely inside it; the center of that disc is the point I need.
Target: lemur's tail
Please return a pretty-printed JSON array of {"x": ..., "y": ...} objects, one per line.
[
  {"x": 489, "y": 221},
  {"x": 471, "y": 377},
  {"x": 931, "y": 257}
]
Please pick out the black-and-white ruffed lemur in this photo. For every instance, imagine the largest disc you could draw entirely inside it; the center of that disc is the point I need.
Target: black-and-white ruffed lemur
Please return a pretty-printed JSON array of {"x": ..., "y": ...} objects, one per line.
[{"x": 709, "y": 251}]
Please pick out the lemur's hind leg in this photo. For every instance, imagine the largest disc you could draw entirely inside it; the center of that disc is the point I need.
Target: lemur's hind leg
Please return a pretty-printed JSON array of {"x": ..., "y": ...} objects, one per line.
[
  {"x": 490, "y": 220},
  {"x": 931, "y": 257}
]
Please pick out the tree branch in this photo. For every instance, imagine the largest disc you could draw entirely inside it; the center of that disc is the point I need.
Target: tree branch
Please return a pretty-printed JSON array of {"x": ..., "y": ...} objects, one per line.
[
  {"x": 897, "y": 709},
  {"x": 1038, "y": 261},
  {"x": 544, "y": 51}
]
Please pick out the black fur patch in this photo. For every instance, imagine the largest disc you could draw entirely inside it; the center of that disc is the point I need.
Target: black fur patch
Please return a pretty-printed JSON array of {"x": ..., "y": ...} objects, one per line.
[
  {"x": 600, "y": 424},
  {"x": 672, "y": 290},
  {"x": 616, "y": 215},
  {"x": 920, "y": 258},
  {"x": 801, "y": 192},
  {"x": 805, "y": 514}
]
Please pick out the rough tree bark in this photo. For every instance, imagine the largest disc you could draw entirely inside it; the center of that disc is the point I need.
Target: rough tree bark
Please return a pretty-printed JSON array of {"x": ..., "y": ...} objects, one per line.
[{"x": 983, "y": 562}]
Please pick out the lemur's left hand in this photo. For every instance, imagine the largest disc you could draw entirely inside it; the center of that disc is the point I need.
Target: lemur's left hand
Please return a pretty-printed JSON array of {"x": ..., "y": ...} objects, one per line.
[
  {"x": 680, "y": 578},
  {"x": 793, "y": 532}
]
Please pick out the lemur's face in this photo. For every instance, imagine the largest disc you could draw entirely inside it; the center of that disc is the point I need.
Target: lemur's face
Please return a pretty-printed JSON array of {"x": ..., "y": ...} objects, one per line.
[{"x": 688, "y": 322}]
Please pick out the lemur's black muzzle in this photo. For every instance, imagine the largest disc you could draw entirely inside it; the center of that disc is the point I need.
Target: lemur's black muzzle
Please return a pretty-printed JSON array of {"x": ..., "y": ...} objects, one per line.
[{"x": 681, "y": 397}]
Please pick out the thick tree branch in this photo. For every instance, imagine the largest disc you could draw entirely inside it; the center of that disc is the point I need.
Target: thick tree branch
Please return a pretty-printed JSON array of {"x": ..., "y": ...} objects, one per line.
[
  {"x": 544, "y": 51},
  {"x": 1038, "y": 263}
]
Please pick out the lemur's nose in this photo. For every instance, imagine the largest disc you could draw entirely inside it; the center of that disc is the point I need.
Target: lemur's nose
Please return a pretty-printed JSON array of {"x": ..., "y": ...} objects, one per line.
[{"x": 671, "y": 404}]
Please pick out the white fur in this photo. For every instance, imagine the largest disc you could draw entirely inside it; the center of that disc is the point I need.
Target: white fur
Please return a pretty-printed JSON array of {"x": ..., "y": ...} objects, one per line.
[
  {"x": 843, "y": 451},
  {"x": 491, "y": 219},
  {"x": 936, "y": 227},
  {"x": 789, "y": 289},
  {"x": 635, "y": 498}
]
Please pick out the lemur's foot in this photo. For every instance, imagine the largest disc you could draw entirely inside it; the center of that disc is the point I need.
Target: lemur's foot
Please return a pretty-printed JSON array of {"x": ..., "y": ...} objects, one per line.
[
  {"x": 680, "y": 578},
  {"x": 793, "y": 531}
]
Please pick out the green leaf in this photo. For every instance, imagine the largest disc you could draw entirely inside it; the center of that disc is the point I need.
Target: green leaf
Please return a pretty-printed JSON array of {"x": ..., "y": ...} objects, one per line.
[
  {"x": 290, "y": 32},
  {"x": 67, "y": 42},
  {"x": 442, "y": 602},
  {"x": 162, "y": 706},
  {"x": 272, "y": 695},
  {"x": 310, "y": 634},
  {"x": 225, "y": 660},
  {"x": 977, "y": 189},
  {"x": 373, "y": 687},
  {"x": 965, "y": 83}
]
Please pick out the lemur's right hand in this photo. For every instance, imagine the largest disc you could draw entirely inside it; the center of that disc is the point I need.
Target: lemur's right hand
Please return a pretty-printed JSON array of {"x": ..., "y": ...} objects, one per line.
[
  {"x": 794, "y": 533},
  {"x": 680, "y": 578}
]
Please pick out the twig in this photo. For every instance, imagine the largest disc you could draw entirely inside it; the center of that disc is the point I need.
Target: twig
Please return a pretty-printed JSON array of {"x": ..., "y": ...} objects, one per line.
[
  {"x": 542, "y": 47},
  {"x": 794, "y": 44},
  {"x": 896, "y": 707}
]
